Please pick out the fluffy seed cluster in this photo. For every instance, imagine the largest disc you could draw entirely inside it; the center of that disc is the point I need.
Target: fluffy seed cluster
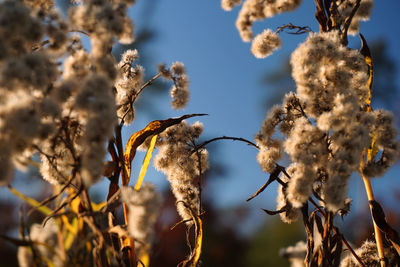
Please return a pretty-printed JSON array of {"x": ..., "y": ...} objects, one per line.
[
  {"x": 96, "y": 103},
  {"x": 57, "y": 110},
  {"x": 254, "y": 10},
  {"x": 264, "y": 43},
  {"x": 369, "y": 256},
  {"x": 228, "y": 5},
  {"x": 26, "y": 113},
  {"x": 128, "y": 85},
  {"x": 323, "y": 68},
  {"x": 180, "y": 90},
  {"x": 288, "y": 213},
  {"x": 144, "y": 206},
  {"x": 325, "y": 124},
  {"x": 103, "y": 20},
  {"x": 295, "y": 254},
  {"x": 47, "y": 248},
  {"x": 181, "y": 165}
]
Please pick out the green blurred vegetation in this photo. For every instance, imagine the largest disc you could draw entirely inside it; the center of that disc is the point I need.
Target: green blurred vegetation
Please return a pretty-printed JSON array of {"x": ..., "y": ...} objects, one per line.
[{"x": 265, "y": 243}]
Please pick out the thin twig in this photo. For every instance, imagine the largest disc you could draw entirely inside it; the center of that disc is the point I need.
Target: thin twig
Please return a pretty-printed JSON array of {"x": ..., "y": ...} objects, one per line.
[
  {"x": 149, "y": 82},
  {"x": 198, "y": 147},
  {"x": 290, "y": 26},
  {"x": 49, "y": 199},
  {"x": 80, "y": 31},
  {"x": 63, "y": 204}
]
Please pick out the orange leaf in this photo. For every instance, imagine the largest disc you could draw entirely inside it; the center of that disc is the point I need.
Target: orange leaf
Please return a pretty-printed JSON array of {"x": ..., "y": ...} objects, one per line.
[
  {"x": 136, "y": 139},
  {"x": 199, "y": 241}
]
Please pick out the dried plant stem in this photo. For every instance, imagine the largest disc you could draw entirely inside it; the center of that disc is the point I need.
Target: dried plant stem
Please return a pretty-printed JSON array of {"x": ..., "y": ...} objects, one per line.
[
  {"x": 378, "y": 233},
  {"x": 341, "y": 236},
  {"x": 323, "y": 213},
  {"x": 124, "y": 182},
  {"x": 149, "y": 82},
  {"x": 130, "y": 241},
  {"x": 348, "y": 22}
]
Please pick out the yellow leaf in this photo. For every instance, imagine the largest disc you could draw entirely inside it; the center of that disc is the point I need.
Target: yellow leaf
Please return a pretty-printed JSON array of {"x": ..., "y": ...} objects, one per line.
[
  {"x": 67, "y": 224},
  {"x": 73, "y": 231},
  {"x": 43, "y": 209},
  {"x": 97, "y": 207},
  {"x": 145, "y": 259},
  {"x": 49, "y": 262},
  {"x": 373, "y": 150},
  {"x": 199, "y": 241},
  {"x": 75, "y": 204},
  {"x": 368, "y": 60},
  {"x": 136, "y": 139},
  {"x": 146, "y": 162}
]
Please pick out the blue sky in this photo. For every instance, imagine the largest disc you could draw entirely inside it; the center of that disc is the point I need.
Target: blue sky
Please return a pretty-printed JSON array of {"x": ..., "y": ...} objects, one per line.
[{"x": 226, "y": 84}]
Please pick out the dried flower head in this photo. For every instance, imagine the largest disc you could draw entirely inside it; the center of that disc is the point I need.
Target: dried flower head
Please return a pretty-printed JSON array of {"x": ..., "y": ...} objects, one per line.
[
  {"x": 253, "y": 10},
  {"x": 228, "y": 5},
  {"x": 47, "y": 245},
  {"x": 265, "y": 43},
  {"x": 368, "y": 255},
  {"x": 144, "y": 206},
  {"x": 181, "y": 165},
  {"x": 295, "y": 254}
]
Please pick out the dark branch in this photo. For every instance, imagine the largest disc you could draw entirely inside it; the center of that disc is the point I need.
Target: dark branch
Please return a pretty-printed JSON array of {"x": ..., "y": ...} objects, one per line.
[
  {"x": 198, "y": 147},
  {"x": 293, "y": 29}
]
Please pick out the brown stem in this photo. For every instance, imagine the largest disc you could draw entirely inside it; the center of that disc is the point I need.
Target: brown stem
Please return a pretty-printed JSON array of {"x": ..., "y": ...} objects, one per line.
[
  {"x": 333, "y": 227},
  {"x": 149, "y": 82},
  {"x": 124, "y": 181},
  {"x": 340, "y": 234},
  {"x": 347, "y": 23}
]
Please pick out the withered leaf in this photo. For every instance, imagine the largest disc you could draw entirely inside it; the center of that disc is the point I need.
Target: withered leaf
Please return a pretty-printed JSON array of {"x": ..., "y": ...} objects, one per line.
[
  {"x": 136, "y": 139},
  {"x": 380, "y": 220},
  {"x": 272, "y": 177},
  {"x": 274, "y": 212}
]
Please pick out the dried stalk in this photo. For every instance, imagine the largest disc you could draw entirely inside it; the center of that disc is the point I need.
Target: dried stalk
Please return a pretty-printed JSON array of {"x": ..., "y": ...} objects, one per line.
[{"x": 378, "y": 233}]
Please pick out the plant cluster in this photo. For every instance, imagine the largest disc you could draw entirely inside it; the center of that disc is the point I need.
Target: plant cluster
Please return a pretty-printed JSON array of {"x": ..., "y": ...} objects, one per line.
[
  {"x": 63, "y": 107},
  {"x": 327, "y": 128}
]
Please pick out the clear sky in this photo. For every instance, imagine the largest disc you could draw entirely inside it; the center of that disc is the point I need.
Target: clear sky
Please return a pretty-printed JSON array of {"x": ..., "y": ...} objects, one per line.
[{"x": 226, "y": 82}]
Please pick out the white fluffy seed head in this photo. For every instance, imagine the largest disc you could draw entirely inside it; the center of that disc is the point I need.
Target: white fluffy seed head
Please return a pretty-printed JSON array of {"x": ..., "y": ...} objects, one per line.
[
  {"x": 228, "y": 5},
  {"x": 144, "y": 207},
  {"x": 265, "y": 43},
  {"x": 267, "y": 157},
  {"x": 300, "y": 184}
]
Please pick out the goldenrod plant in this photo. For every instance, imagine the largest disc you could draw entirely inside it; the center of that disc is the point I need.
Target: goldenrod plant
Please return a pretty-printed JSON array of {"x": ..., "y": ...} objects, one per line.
[
  {"x": 63, "y": 107},
  {"x": 327, "y": 128}
]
